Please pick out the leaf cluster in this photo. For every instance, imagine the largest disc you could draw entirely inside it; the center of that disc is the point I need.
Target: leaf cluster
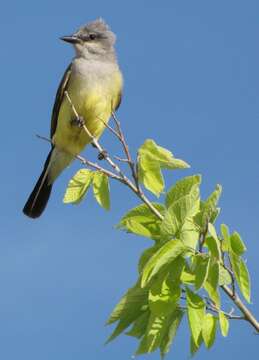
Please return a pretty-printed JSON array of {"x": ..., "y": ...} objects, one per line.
[{"x": 180, "y": 275}]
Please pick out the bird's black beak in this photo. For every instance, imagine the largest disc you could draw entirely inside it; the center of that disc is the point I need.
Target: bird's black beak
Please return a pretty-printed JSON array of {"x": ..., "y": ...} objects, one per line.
[{"x": 70, "y": 39}]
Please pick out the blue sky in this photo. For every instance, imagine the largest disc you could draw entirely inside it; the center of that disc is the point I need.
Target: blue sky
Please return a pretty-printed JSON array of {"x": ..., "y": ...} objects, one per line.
[{"x": 191, "y": 84}]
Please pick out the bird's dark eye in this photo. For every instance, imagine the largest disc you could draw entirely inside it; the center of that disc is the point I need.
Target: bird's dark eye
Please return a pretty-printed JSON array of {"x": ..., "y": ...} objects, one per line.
[{"x": 92, "y": 36}]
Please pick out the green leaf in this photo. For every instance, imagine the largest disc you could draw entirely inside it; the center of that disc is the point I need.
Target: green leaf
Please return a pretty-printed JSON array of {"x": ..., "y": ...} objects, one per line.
[
  {"x": 224, "y": 276},
  {"x": 142, "y": 221},
  {"x": 213, "y": 246},
  {"x": 212, "y": 283},
  {"x": 178, "y": 219},
  {"x": 237, "y": 245},
  {"x": 208, "y": 209},
  {"x": 130, "y": 307},
  {"x": 244, "y": 281},
  {"x": 101, "y": 189},
  {"x": 161, "y": 155},
  {"x": 176, "y": 270},
  {"x": 201, "y": 270},
  {"x": 164, "y": 296},
  {"x": 172, "y": 327},
  {"x": 150, "y": 175},
  {"x": 187, "y": 277},
  {"x": 123, "y": 324},
  {"x": 209, "y": 327},
  {"x": 213, "y": 233},
  {"x": 242, "y": 275},
  {"x": 139, "y": 326},
  {"x": 196, "y": 313},
  {"x": 153, "y": 336},
  {"x": 224, "y": 324},
  {"x": 182, "y": 187},
  {"x": 195, "y": 347},
  {"x": 134, "y": 298},
  {"x": 189, "y": 234},
  {"x": 226, "y": 240},
  {"x": 145, "y": 256},
  {"x": 165, "y": 255},
  {"x": 78, "y": 186},
  {"x": 151, "y": 159},
  {"x": 179, "y": 212}
]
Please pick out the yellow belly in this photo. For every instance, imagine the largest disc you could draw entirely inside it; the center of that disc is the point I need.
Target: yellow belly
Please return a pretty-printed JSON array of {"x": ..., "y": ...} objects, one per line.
[{"x": 94, "y": 104}]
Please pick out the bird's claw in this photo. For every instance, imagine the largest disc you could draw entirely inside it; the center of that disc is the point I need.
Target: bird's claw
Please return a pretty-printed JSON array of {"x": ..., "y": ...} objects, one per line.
[{"x": 78, "y": 121}]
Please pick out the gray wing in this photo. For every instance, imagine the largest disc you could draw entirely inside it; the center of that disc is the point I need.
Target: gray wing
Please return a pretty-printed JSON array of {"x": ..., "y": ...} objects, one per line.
[{"x": 58, "y": 100}]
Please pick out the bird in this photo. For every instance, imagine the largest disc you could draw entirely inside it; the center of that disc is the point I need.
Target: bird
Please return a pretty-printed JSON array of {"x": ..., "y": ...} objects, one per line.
[{"x": 93, "y": 83}]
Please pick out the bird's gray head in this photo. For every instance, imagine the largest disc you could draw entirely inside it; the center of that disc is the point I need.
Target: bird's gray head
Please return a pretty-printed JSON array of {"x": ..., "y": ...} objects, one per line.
[{"x": 93, "y": 40}]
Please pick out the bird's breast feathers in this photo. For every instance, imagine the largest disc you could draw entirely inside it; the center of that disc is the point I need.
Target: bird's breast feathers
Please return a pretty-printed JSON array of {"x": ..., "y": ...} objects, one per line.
[{"x": 95, "y": 91}]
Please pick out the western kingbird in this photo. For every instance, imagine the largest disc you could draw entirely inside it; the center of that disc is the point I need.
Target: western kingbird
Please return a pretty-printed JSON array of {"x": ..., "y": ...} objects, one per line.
[{"x": 93, "y": 82}]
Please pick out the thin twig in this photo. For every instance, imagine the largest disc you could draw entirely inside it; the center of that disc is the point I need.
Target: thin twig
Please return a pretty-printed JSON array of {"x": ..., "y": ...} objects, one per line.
[
  {"x": 114, "y": 132},
  {"x": 228, "y": 315},
  {"x": 231, "y": 272},
  {"x": 126, "y": 150},
  {"x": 87, "y": 162},
  {"x": 121, "y": 159}
]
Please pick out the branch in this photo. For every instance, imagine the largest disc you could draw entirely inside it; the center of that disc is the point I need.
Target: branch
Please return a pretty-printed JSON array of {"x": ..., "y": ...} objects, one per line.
[
  {"x": 228, "y": 315},
  {"x": 248, "y": 316}
]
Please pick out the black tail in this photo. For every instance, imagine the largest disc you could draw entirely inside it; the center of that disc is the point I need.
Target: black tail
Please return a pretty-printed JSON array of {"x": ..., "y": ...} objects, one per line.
[{"x": 39, "y": 197}]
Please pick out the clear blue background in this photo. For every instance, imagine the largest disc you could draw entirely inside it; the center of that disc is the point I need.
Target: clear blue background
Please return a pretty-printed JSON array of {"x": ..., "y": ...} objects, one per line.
[{"x": 192, "y": 84}]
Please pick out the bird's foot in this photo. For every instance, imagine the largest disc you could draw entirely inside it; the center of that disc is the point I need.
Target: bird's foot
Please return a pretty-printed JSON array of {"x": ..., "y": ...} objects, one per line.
[
  {"x": 78, "y": 121},
  {"x": 102, "y": 155}
]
